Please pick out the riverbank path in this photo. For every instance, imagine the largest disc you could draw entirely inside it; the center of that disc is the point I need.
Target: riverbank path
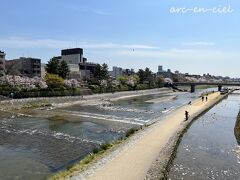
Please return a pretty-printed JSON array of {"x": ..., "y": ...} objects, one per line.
[{"x": 134, "y": 163}]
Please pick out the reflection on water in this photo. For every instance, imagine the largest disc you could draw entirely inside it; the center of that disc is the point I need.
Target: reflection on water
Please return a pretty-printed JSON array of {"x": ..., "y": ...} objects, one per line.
[
  {"x": 209, "y": 149},
  {"x": 34, "y": 147}
]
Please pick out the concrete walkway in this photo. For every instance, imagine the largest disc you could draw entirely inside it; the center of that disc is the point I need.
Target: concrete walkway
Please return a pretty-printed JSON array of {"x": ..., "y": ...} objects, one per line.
[{"x": 134, "y": 163}]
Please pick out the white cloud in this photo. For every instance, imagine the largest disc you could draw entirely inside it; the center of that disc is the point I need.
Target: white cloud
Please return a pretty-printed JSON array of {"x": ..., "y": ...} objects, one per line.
[
  {"x": 199, "y": 43},
  {"x": 170, "y": 53},
  {"x": 18, "y": 42},
  {"x": 182, "y": 54},
  {"x": 87, "y": 10}
]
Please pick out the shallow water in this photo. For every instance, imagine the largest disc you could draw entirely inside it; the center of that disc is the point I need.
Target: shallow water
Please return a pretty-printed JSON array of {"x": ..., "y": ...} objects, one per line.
[
  {"x": 35, "y": 148},
  {"x": 209, "y": 149}
]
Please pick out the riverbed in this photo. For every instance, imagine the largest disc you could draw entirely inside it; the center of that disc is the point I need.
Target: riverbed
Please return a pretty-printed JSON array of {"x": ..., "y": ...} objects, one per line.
[
  {"x": 38, "y": 146},
  {"x": 209, "y": 149}
]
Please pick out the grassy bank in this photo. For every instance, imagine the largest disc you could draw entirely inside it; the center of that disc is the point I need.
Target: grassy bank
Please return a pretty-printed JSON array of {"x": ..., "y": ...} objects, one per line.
[
  {"x": 205, "y": 86},
  {"x": 93, "y": 157}
]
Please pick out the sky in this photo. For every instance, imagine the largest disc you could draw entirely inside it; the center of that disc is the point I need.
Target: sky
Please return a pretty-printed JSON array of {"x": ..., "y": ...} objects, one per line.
[{"x": 127, "y": 33}]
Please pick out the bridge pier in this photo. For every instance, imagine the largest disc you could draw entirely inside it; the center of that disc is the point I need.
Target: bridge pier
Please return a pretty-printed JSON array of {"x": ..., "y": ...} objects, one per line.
[
  {"x": 219, "y": 87},
  {"x": 192, "y": 88}
]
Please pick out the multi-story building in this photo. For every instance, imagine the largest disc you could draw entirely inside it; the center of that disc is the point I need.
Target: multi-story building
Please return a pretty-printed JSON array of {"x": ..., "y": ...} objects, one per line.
[
  {"x": 87, "y": 70},
  {"x": 160, "y": 69},
  {"x": 163, "y": 73},
  {"x": 30, "y": 67},
  {"x": 116, "y": 72},
  {"x": 43, "y": 70},
  {"x": 72, "y": 56},
  {"x": 78, "y": 65},
  {"x": 128, "y": 72},
  {"x": 2, "y": 63}
]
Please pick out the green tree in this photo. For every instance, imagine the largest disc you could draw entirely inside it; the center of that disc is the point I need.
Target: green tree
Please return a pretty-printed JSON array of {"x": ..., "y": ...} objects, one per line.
[
  {"x": 97, "y": 72},
  {"x": 104, "y": 71},
  {"x": 101, "y": 72},
  {"x": 160, "y": 81},
  {"x": 147, "y": 74},
  {"x": 63, "y": 70},
  {"x": 54, "y": 81},
  {"x": 123, "y": 79},
  {"x": 52, "y": 66},
  {"x": 141, "y": 75}
]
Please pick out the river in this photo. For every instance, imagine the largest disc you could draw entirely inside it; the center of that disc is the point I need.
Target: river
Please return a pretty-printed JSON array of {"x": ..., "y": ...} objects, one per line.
[
  {"x": 209, "y": 149},
  {"x": 37, "y": 147}
]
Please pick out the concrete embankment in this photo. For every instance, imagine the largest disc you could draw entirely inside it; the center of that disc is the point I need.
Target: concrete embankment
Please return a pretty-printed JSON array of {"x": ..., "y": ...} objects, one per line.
[{"x": 150, "y": 155}]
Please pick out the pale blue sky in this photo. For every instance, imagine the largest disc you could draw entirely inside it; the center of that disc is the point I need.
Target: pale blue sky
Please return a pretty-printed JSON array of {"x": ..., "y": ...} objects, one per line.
[{"x": 108, "y": 30}]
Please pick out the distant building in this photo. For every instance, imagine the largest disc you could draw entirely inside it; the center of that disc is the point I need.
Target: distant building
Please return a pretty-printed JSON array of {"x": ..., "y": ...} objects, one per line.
[
  {"x": 74, "y": 71},
  {"x": 2, "y": 63},
  {"x": 30, "y": 67},
  {"x": 165, "y": 74},
  {"x": 177, "y": 72},
  {"x": 160, "y": 69},
  {"x": 72, "y": 56},
  {"x": 116, "y": 72},
  {"x": 128, "y": 72},
  {"x": 84, "y": 60},
  {"x": 78, "y": 65},
  {"x": 87, "y": 70},
  {"x": 43, "y": 70}
]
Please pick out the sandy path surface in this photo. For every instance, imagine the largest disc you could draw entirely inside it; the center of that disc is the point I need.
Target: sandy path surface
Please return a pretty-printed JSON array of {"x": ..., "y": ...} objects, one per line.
[{"x": 135, "y": 162}]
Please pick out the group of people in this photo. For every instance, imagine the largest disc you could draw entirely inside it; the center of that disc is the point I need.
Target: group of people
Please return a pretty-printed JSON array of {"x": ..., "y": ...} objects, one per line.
[
  {"x": 187, "y": 113},
  {"x": 206, "y": 98}
]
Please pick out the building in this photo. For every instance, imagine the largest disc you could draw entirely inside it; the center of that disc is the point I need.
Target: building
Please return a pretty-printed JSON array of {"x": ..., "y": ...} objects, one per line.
[
  {"x": 165, "y": 74},
  {"x": 72, "y": 56},
  {"x": 160, "y": 69},
  {"x": 128, "y": 72},
  {"x": 87, "y": 70},
  {"x": 2, "y": 63},
  {"x": 78, "y": 65},
  {"x": 74, "y": 71},
  {"x": 30, "y": 67},
  {"x": 116, "y": 72},
  {"x": 43, "y": 70}
]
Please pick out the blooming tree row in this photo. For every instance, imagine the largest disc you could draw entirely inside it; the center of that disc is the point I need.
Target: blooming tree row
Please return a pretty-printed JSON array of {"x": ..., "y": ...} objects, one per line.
[{"x": 26, "y": 83}]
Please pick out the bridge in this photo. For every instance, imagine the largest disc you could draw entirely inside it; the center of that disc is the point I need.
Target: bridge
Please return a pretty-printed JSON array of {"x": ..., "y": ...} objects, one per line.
[{"x": 194, "y": 84}]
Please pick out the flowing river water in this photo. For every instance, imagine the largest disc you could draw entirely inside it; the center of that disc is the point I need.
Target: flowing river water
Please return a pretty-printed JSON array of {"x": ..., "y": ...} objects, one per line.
[
  {"x": 37, "y": 147},
  {"x": 210, "y": 149}
]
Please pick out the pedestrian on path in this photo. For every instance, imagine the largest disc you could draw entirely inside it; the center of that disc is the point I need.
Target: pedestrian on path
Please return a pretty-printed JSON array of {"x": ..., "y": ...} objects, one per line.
[
  {"x": 202, "y": 98},
  {"x": 186, "y": 115},
  {"x": 206, "y": 98}
]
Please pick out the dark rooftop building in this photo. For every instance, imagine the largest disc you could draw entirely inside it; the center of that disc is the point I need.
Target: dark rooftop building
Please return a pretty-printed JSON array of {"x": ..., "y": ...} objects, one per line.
[
  {"x": 72, "y": 56},
  {"x": 72, "y": 51}
]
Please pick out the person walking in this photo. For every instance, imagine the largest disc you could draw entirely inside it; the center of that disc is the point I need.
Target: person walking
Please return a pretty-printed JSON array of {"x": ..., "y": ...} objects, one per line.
[
  {"x": 206, "y": 98},
  {"x": 202, "y": 98},
  {"x": 186, "y": 115}
]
